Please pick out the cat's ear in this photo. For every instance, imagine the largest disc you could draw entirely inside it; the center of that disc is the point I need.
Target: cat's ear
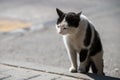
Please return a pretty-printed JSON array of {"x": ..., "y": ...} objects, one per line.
[
  {"x": 79, "y": 13},
  {"x": 59, "y": 12}
]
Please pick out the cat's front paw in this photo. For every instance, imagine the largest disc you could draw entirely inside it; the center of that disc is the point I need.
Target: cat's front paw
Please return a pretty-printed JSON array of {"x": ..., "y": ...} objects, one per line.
[{"x": 73, "y": 70}]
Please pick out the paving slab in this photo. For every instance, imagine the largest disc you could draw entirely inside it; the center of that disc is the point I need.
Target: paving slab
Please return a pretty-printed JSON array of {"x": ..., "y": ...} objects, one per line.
[{"x": 17, "y": 73}]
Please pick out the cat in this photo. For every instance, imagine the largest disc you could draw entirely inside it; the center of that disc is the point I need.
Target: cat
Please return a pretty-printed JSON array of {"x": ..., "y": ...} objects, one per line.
[{"x": 80, "y": 36}]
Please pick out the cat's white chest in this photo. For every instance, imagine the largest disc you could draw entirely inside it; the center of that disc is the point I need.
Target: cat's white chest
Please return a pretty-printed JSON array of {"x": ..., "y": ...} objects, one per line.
[
  {"x": 77, "y": 44},
  {"x": 74, "y": 43}
]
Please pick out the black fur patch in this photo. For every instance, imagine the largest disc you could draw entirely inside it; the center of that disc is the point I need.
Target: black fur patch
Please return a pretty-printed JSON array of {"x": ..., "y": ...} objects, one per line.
[
  {"x": 60, "y": 19},
  {"x": 72, "y": 19},
  {"x": 83, "y": 55},
  {"x": 96, "y": 45},
  {"x": 88, "y": 66},
  {"x": 94, "y": 68},
  {"x": 88, "y": 35}
]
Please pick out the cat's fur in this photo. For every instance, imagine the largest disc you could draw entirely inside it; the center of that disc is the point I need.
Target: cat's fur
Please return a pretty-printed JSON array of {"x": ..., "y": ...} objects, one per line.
[{"x": 80, "y": 36}]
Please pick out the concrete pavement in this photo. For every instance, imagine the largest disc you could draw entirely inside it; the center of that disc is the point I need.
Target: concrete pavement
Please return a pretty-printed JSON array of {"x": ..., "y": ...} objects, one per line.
[{"x": 41, "y": 44}]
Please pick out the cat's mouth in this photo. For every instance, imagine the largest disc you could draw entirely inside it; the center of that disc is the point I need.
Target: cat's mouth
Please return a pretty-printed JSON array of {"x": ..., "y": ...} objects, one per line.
[{"x": 61, "y": 33}]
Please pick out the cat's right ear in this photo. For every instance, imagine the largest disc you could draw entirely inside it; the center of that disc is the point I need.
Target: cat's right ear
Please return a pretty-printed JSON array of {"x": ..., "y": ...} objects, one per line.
[
  {"x": 59, "y": 12},
  {"x": 79, "y": 13}
]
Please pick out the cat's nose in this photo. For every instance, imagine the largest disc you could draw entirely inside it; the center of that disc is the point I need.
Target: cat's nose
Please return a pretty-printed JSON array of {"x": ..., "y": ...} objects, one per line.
[{"x": 60, "y": 32}]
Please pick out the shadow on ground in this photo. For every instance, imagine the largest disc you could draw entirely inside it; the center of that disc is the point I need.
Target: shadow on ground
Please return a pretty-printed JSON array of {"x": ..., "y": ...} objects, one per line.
[{"x": 96, "y": 77}]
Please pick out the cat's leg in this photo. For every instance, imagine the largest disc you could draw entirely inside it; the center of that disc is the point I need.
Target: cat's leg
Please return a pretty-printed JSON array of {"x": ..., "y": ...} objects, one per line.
[
  {"x": 97, "y": 63},
  {"x": 84, "y": 61},
  {"x": 73, "y": 59},
  {"x": 71, "y": 53}
]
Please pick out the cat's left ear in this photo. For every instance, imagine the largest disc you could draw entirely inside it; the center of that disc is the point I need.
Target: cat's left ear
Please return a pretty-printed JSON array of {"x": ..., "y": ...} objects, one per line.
[
  {"x": 79, "y": 13},
  {"x": 59, "y": 12}
]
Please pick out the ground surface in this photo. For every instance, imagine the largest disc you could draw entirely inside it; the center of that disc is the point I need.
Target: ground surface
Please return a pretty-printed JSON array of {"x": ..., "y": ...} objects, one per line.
[{"x": 41, "y": 44}]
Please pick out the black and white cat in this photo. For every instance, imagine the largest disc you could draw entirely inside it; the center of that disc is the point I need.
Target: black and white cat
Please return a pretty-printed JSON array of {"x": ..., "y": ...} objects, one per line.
[{"x": 80, "y": 36}]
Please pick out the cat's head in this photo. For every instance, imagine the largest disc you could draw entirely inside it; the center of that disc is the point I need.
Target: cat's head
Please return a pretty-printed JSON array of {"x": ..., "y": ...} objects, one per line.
[{"x": 67, "y": 23}]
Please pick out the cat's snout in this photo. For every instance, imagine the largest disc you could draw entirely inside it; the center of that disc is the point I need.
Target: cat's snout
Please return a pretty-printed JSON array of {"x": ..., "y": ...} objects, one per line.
[{"x": 60, "y": 32}]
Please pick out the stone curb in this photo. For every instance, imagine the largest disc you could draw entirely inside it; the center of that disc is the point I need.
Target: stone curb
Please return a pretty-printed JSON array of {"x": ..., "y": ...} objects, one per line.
[{"x": 55, "y": 70}]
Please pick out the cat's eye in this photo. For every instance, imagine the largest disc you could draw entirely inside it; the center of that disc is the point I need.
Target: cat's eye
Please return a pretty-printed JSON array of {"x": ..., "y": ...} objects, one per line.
[
  {"x": 64, "y": 28},
  {"x": 58, "y": 26}
]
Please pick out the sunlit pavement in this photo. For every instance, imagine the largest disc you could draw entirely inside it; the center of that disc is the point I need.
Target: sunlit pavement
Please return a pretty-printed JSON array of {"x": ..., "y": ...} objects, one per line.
[{"x": 10, "y": 25}]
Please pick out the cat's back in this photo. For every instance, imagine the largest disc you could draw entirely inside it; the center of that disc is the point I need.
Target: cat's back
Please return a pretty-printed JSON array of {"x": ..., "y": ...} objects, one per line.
[
  {"x": 84, "y": 20},
  {"x": 83, "y": 17}
]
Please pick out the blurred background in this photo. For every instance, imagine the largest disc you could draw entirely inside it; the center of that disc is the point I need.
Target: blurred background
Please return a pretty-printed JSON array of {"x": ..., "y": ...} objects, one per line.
[{"x": 28, "y": 34}]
